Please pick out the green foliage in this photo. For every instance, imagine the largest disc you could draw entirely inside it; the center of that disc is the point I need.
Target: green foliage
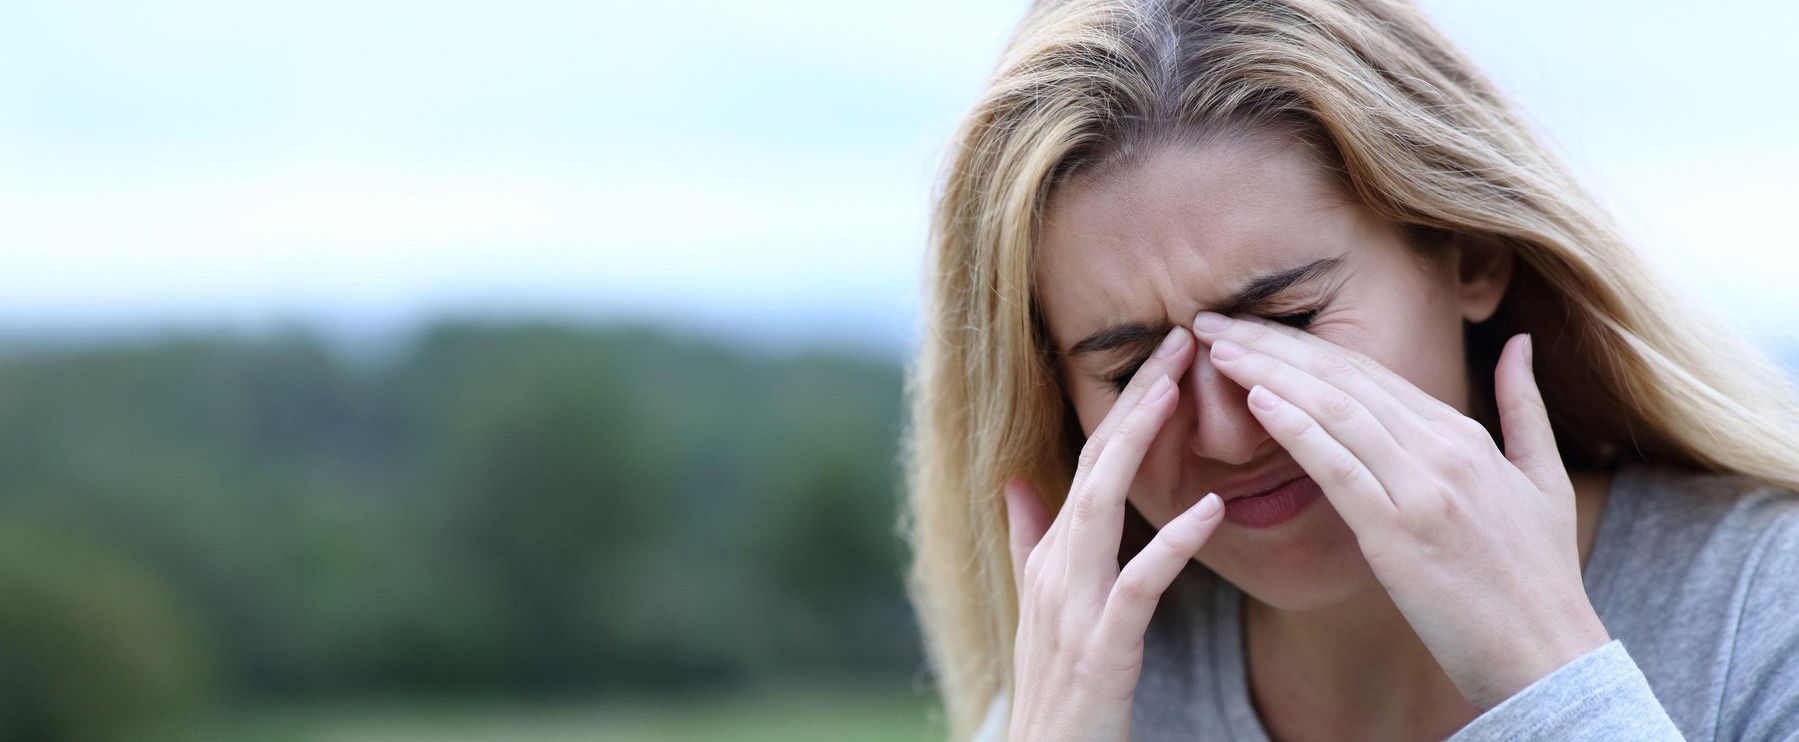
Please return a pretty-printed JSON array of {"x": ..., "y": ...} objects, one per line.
[
  {"x": 501, "y": 507},
  {"x": 92, "y": 647}
]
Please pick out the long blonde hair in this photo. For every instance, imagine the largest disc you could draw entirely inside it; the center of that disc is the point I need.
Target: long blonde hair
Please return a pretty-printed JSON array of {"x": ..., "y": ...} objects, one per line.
[{"x": 1628, "y": 368}]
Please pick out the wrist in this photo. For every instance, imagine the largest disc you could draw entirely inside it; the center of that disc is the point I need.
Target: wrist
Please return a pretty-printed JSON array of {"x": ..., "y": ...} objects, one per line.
[{"x": 1544, "y": 653}]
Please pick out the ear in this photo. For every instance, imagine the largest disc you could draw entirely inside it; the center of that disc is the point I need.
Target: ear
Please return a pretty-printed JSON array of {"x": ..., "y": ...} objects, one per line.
[{"x": 1483, "y": 267}]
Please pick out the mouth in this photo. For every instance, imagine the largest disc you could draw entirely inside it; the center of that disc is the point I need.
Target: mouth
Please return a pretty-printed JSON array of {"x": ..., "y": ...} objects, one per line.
[
  {"x": 1265, "y": 492},
  {"x": 1275, "y": 506},
  {"x": 1261, "y": 484}
]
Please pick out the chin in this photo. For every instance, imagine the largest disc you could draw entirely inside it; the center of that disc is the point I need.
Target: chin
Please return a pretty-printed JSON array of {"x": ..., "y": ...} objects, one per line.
[{"x": 1297, "y": 566}]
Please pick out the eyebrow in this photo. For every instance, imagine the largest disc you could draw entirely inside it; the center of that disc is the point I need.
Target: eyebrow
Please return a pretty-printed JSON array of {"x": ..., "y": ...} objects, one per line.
[{"x": 1256, "y": 291}]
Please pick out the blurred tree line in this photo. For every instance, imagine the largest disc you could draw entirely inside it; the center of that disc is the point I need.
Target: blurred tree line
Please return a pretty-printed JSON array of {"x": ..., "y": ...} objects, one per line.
[{"x": 516, "y": 508}]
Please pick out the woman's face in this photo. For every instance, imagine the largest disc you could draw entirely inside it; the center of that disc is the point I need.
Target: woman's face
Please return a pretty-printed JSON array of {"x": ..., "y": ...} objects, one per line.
[{"x": 1191, "y": 228}]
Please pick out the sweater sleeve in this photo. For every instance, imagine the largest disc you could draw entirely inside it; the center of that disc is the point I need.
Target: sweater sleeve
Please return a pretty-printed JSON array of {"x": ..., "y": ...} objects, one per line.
[{"x": 1602, "y": 695}]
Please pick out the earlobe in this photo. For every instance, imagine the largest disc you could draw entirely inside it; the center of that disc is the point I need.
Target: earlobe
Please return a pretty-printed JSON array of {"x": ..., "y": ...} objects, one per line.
[{"x": 1483, "y": 270}]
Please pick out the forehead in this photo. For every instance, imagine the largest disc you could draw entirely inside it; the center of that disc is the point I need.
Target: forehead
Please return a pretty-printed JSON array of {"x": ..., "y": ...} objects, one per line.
[{"x": 1182, "y": 230}]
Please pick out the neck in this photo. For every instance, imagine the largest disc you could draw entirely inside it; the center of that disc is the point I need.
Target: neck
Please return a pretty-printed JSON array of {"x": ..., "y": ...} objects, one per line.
[
  {"x": 1358, "y": 665},
  {"x": 1346, "y": 662}
]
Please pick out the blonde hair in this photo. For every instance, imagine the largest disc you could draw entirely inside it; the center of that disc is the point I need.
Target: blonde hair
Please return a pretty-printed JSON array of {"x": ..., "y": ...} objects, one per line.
[{"x": 1408, "y": 126}]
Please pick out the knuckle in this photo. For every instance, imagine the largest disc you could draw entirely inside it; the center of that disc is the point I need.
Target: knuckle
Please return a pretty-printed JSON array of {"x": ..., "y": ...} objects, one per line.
[
  {"x": 1417, "y": 518},
  {"x": 1470, "y": 430},
  {"x": 1340, "y": 365},
  {"x": 1254, "y": 332},
  {"x": 1044, "y": 594},
  {"x": 1128, "y": 427},
  {"x": 1338, "y": 407},
  {"x": 1440, "y": 450},
  {"x": 1532, "y": 408},
  {"x": 1364, "y": 362},
  {"x": 1085, "y": 503},
  {"x": 1088, "y": 668},
  {"x": 1457, "y": 459},
  {"x": 1452, "y": 509},
  {"x": 1033, "y": 564},
  {"x": 1428, "y": 519},
  {"x": 1133, "y": 588},
  {"x": 1094, "y": 667},
  {"x": 1344, "y": 471},
  {"x": 1294, "y": 426},
  {"x": 1443, "y": 410},
  {"x": 1089, "y": 453},
  {"x": 1535, "y": 407}
]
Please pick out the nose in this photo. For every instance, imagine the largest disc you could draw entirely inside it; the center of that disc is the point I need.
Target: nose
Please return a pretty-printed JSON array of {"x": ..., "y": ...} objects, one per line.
[{"x": 1223, "y": 427}]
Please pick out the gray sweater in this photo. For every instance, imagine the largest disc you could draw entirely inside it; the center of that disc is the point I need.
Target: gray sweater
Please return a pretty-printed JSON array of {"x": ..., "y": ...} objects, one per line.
[{"x": 1695, "y": 576}]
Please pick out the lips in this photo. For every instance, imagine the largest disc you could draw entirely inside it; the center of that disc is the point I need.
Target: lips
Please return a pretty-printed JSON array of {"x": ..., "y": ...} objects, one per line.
[{"x": 1259, "y": 484}]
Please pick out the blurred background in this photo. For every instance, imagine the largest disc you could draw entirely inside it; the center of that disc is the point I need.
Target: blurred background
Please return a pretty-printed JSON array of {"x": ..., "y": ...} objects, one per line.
[{"x": 388, "y": 370}]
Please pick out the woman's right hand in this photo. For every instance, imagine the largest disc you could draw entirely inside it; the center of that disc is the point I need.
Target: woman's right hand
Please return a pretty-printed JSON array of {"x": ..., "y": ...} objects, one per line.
[{"x": 1081, "y": 619}]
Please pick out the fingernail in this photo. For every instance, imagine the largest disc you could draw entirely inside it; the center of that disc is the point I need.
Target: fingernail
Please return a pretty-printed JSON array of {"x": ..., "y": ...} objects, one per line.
[
  {"x": 1225, "y": 350},
  {"x": 1177, "y": 337},
  {"x": 1209, "y": 505},
  {"x": 1261, "y": 397},
  {"x": 1211, "y": 321},
  {"x": 1158, "y": 391},
  {"x": 1529, "y": 353}
]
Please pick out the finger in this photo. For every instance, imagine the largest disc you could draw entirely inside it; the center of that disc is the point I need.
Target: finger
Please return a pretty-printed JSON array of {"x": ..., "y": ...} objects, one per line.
[
  {"x": 1341, "y": 415},
  {"x": 1026, "y": 521},
  {"x": 1169, "y": 359},
  {"x": 1096, "y": 517},
  {"x": 1287, "y": 343},
  {"x": 1351, "y": 488},
  {"x": 1340, "y": 367},
  {"x": 1524, "y": 420},
  {"x": 1141, "y": 583}
]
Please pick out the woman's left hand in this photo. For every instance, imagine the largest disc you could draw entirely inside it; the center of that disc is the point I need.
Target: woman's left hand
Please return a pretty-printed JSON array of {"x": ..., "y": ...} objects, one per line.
[{"x": 1477, "y": 548}]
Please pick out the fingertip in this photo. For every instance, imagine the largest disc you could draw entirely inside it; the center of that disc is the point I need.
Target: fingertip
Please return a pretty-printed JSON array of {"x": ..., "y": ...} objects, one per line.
[
  {"x": 1157, "y": 391},
  {"x": 1264, "y": 398},
  {"x": 1515, "y": 353},
  {"x": 1519, "y": 348}
]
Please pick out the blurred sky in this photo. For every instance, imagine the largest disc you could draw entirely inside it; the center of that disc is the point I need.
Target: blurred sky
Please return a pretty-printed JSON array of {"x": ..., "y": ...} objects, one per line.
[{"x": 757, "y": 168}]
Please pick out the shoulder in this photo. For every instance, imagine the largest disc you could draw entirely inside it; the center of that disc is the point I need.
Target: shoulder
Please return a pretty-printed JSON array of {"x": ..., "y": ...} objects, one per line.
[
  {"x": 1666, "y": 489},
  {"x": 1696, "y": 524},
  {"x": 1693, "y": 530},
  {"x": 1702, "y": 586}
]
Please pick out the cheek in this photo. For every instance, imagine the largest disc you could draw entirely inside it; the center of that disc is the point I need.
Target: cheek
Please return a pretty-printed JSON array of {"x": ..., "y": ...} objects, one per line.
[
  {"x": 1089, "y": 411},
  {"x": 1084, "y": 399},
  {"x": 1423, "y": 344},
  {"x": 1412, "y": 327}
]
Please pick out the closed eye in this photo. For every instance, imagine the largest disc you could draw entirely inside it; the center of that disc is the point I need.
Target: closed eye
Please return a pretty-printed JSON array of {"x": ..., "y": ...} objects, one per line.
[{"x": 1122, "y": 378}]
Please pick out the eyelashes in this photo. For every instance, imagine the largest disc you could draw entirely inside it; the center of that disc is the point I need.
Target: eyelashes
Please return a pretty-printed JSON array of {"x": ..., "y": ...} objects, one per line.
[{"x": 1298, "y": 320}]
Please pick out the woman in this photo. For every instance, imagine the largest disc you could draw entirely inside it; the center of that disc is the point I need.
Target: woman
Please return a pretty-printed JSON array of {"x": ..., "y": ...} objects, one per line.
[{"x": 1481, "y": 477}]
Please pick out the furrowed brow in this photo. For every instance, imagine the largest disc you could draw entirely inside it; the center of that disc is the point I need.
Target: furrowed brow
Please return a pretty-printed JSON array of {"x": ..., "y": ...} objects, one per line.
[{"x": 1253, "y": 293}]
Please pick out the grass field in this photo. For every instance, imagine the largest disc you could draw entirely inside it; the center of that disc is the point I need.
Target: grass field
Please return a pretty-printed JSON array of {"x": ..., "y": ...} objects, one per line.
[{"x": 866, "y": 715}]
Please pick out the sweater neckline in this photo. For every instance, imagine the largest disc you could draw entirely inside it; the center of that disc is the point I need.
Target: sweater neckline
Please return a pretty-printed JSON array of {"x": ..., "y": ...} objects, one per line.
[{"x": 1229, "y": 663}]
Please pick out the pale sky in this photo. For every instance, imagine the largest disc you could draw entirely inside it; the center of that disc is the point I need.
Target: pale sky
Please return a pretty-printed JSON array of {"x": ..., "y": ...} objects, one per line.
[{"x": 756, "y": 168}]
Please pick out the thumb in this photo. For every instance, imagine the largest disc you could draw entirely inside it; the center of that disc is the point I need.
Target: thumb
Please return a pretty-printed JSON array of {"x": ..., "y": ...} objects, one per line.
[
  {"x": 1524, "y": 419},
  {"x": 1026, "y": 521}
]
